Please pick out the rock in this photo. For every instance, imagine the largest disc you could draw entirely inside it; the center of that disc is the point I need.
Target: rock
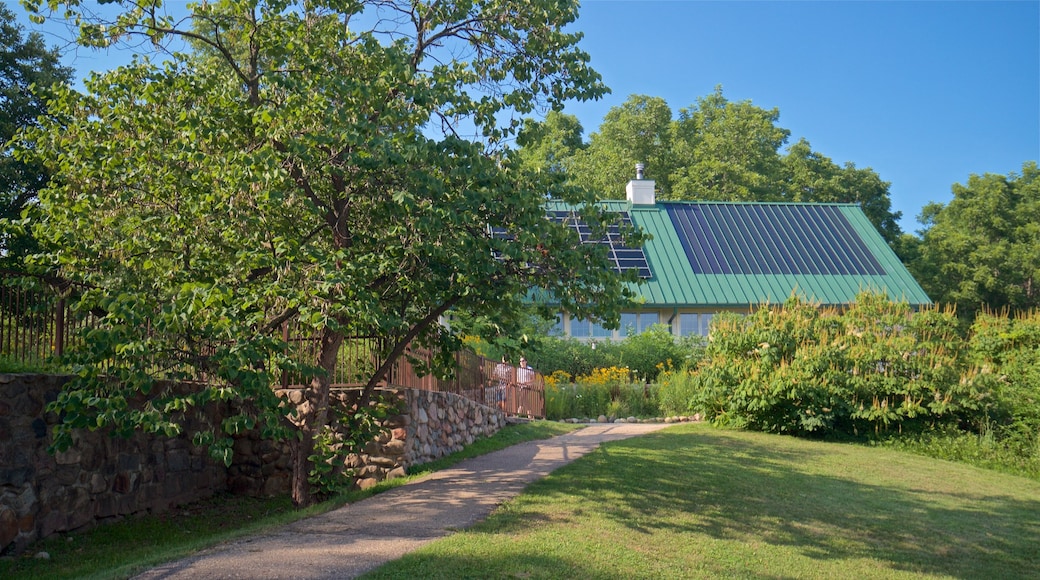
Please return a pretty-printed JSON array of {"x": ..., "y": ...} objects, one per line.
[
  {"x": 601, "y": 419},
  {"x": 42, "y": 556}
]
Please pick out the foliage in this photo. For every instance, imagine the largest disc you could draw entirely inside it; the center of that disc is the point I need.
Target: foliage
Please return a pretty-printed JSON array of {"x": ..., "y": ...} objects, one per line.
[
  {"x": 986, "y": 450},
  {"x": 645, "y": 354},
  {"x": 1004, "y": 352},
  {"x": 28, "y": 69},
  {"x": 800, "y": 369},
  {"x": 716, "y": 149},
  {"x": 982, "y": 249},
  {"x": 677, "y": 390},
  {"x": 331, "y": 165},
  {"x": 606, "y": 391},
  {"x": 346, "y": 435}
]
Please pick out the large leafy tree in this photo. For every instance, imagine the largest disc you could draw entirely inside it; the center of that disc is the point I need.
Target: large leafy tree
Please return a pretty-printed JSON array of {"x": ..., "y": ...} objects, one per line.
[
  {"x": 813, "y": 177},
  {"x": 982, "y": 249},
  {"x": 638, "y": 131},
  {"x": 27, "y": 71},
  {"x": 728, "y": 152},
  {"x": 333, "y": 164},
  {"x": 716, "y": 149}
]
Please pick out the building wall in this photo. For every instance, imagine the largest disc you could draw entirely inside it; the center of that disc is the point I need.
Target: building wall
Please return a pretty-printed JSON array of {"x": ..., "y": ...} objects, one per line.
[{"x": 681, "y": 321}]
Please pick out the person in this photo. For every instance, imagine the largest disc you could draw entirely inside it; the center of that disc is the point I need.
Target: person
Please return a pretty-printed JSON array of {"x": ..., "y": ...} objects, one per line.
[
  {"x": 524, "y": 374},
  {"x": 524, "y": 378},
  {"x": 503, "y": 376}
]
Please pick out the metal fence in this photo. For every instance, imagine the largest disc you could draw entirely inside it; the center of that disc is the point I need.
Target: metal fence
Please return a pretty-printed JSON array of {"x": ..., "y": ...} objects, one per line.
[{"x": 37, "y": 325}]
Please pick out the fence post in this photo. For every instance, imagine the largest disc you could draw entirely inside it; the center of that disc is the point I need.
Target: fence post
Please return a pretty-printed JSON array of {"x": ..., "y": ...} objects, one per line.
[
  {"x": 59, "y": 328},
  {"x": 285, "y": 339}
]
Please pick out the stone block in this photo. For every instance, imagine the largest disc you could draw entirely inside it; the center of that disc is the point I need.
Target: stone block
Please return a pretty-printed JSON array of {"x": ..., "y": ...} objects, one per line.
[
  {"x": 8, "y": 526},
  {"x": 366, "y": 483},
  {"x": 52, "y": 522},
  {"x": 178, "y": 460},
  {"x": 70, "y": 456},
  {"x": 385, "y": 462},
  {"x": 394, "y": 448},
  {"x": 15, "y": 477}
]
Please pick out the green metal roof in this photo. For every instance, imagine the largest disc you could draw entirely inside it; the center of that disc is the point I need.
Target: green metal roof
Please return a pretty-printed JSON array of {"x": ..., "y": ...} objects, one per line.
[{"x": 733, "y": 255}]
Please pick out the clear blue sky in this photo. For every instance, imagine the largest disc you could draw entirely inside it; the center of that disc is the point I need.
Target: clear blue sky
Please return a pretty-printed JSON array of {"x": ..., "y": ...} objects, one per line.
[{"x": 925, "y": 93}]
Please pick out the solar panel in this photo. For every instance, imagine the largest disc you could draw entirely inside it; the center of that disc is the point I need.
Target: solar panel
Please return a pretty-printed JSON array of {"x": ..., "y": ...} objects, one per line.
[
  {"x": 622, "y": 257},
  {"x": 770, "y": 239}
]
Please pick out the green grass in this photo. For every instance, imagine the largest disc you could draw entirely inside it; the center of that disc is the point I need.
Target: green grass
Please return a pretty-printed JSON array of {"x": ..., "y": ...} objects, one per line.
[
  {"x": 122, "y": 549},
  {"x": 694, "y": 502}
]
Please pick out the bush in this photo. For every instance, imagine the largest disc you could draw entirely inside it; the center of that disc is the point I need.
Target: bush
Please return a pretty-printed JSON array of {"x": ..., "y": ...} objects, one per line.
[
  {"x": 801, "y": 369},
  {"x": 987, "y": 450},
  {"x": 1004, "y": 354}
]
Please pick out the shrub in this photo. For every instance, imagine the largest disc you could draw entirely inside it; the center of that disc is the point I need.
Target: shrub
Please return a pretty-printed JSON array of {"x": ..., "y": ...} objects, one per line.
[{"x": 800, "y": 369}]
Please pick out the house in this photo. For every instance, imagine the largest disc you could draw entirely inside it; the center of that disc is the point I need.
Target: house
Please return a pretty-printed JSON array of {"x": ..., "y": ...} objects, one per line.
[{"x": 708, "y": 257}]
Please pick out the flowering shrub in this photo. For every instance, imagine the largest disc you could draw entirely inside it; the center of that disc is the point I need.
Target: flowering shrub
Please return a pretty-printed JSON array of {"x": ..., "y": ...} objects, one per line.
[
  {"x": 604, "y": 391},
  {"x": 799, "y": 369}
]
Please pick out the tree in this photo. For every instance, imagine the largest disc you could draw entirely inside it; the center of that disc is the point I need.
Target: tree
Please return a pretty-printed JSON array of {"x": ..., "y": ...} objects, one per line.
[
  {"x": 730, "y": 151},
  {"x": 639, "y": 131},
  {"x": 27, "y": 71},
  {"x": 336, "y": 165},
  {"x": 982, "y": 250},
  {"x": 811, "y": 176},
  {"x": 550, "y": 145},
  {"x": 716, "y": 149}
]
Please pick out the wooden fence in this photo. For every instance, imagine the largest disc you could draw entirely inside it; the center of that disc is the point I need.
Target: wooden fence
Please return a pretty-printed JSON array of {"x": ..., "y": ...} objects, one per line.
[{"x": 37, "y": 326}]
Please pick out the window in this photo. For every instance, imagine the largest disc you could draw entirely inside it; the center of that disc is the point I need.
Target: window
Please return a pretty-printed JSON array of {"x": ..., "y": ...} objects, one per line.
[
  {"x": 629, "y": 323},
  {"x": 599, "y": 332},
  {"x": 648, "y": 319},
  {"x": 580, "y": 328},
  {"x": 706, "y": 323},
  {"x": 688, "y": 324},
  {"x": 691, "y": 323},
  {"x": 633, "y": 323},
  {"x": 557, "y": 328}
]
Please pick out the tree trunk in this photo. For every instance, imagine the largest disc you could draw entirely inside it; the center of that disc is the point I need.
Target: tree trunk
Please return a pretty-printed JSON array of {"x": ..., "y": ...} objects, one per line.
[{"x": 313, "y": 414}]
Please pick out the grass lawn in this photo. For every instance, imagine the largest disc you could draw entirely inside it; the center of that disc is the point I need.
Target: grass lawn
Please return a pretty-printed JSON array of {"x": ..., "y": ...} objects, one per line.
[{"x": 694, "y": 502}]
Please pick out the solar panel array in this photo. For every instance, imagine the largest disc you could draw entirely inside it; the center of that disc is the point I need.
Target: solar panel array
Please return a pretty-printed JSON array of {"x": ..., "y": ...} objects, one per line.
[
  {"x": 623, "y": 257},
  {"x": 770, "y": 239}
]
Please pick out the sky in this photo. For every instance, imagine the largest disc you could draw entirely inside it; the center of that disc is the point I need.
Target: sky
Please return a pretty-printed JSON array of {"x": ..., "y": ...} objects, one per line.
[{"x": 925, "y": 93}]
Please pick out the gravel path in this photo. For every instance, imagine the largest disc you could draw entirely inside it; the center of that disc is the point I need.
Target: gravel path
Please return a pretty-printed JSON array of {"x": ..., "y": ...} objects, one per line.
[{"x": 361, "y": 536}]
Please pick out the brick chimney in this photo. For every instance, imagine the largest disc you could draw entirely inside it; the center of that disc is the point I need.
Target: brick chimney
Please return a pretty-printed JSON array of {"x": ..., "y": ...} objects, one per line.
[{"x": 640, "y": 191}]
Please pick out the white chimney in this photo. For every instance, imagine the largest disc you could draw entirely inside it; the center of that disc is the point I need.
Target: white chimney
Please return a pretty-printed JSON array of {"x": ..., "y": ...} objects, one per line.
[{"x": 640, "y": 191}]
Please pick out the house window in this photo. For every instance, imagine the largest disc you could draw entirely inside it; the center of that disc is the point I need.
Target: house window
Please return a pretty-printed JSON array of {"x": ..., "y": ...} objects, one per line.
[
  {"x": 648, "y": 319},
  {"x": 629, "y": 323},
  {"x": 599, "y": 332},
  {"x": 705, "y": 323},
  {"x": 633, "y": 323},
  {"x": 688, "y": 324},
  {"x": 557, "y": 328},
  {"x": 581, "y": 328},
  {"x": 692, "y": 323}
]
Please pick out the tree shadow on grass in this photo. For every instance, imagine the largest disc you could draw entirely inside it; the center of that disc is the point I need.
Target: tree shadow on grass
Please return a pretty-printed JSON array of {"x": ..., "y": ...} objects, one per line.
[{"x": 750, "y": 487}]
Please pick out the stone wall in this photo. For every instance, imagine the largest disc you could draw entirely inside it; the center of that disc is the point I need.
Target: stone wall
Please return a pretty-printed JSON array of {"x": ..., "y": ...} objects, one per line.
[
  {"x": 99, "y": 478},
  {"x": 102, "y": 478}
]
